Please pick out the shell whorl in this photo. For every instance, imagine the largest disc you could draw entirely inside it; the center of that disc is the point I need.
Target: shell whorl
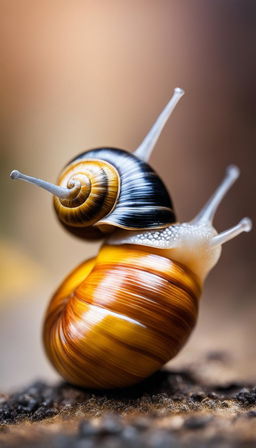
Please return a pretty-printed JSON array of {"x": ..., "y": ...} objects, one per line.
[
  {"x": 119, "y": 317},
  {"x": 143, "y": 201},
  {"x": 98, "y": 190}
]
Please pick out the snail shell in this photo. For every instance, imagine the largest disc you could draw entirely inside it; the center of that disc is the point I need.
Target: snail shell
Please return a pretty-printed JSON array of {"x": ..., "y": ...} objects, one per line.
[
  {"x": 119, "y": 317},
  {"x": 116, "y": 190}
]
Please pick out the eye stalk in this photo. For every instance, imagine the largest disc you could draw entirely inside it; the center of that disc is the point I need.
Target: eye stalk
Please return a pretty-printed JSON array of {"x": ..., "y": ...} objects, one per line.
[
  {"x": 208, "y": 211},
  {"x": 195, "y": 244},
  {"x": 245, "y": 225},
  {"x": 60, "y": 192},
  {"x": 206, "y": 215},
  {"x": 145, "y": 149}
]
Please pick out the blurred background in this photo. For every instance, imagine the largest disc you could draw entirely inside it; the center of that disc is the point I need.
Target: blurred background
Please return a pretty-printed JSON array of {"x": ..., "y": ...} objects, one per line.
[{"x": 78, "y": 75}]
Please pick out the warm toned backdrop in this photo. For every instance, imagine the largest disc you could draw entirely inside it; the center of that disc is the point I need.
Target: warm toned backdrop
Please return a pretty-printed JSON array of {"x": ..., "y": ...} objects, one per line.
[{"x": 76, "y": 75}]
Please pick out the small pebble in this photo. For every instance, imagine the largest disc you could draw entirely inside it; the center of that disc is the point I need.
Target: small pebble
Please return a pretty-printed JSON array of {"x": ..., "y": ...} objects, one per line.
[
  {"x": 246, "y": 396},
  {"x": 198, "y": 396},
  {"x": 225, "y": 404},
  {"x": 213, "y": 395}
]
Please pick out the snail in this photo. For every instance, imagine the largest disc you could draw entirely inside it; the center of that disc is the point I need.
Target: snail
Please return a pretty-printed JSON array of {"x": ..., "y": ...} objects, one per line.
[
  {"x": 105, "y": 188},
  {"x": 120, "y": 316}
]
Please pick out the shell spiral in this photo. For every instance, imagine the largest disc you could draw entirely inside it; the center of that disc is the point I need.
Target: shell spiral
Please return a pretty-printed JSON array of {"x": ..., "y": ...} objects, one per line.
[
  {"x": 119, "y": 317},
  {"x": 114, "y": 189},
  {"x": 98, "y": 186}
]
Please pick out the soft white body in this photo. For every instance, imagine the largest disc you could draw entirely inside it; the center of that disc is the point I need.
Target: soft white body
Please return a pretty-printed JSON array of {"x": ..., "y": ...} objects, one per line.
[{"x": 196, "y": 244}]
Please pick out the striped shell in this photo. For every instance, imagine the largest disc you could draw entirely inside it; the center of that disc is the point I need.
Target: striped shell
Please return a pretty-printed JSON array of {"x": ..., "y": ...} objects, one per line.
[
  {"x": 118, "y": 190},
  {"x": 119, "y": 317}
]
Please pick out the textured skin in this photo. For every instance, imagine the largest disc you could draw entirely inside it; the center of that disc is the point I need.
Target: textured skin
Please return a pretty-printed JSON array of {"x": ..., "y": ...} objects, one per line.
[
  {"x": 119, "y": 317},
  {"x": 138, "y": 199}
]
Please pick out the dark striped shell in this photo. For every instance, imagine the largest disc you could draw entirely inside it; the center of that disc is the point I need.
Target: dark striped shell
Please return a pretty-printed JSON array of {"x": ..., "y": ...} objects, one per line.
[
  {"x": 119, "y": 317},
  {"x": 118, "y": 190}
]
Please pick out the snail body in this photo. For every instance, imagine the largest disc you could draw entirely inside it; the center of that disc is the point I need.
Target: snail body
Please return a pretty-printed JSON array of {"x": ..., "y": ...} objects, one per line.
[{"x": 120, "y": 316}]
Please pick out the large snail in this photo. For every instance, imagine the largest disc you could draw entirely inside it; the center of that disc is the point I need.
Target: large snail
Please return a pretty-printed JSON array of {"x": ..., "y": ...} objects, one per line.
[{"x": 122, "y": 315}]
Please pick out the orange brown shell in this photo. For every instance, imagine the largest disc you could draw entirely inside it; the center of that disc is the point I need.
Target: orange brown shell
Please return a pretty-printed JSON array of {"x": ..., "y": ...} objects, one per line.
[{"x": 119, "y": 317}]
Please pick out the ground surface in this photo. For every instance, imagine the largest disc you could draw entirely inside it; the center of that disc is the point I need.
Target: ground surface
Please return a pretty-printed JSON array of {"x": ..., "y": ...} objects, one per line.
[{"x": 174, "y": 408}]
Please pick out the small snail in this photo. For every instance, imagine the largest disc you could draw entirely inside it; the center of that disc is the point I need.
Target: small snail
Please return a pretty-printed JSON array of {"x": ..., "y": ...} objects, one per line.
[
  {"x": 105, "y": 188},
  {"x": 120, "y": 316}
]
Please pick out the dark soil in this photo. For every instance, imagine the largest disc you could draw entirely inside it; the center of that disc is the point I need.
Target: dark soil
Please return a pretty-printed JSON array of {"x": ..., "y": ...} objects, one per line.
[{"x": 170, "y": 409}]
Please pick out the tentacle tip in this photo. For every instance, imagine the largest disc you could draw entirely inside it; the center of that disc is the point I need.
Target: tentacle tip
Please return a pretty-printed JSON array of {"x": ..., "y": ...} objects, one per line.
[
  {"x": 15, "y": 174},
  {"x": 179, "y": 91},
  {"x": 233, "y": 171},
  {"x": 246, "y": 224}
]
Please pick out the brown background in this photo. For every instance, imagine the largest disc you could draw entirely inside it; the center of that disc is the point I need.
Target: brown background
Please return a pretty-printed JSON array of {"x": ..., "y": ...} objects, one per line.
[{"x": 76, "y": 75}]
